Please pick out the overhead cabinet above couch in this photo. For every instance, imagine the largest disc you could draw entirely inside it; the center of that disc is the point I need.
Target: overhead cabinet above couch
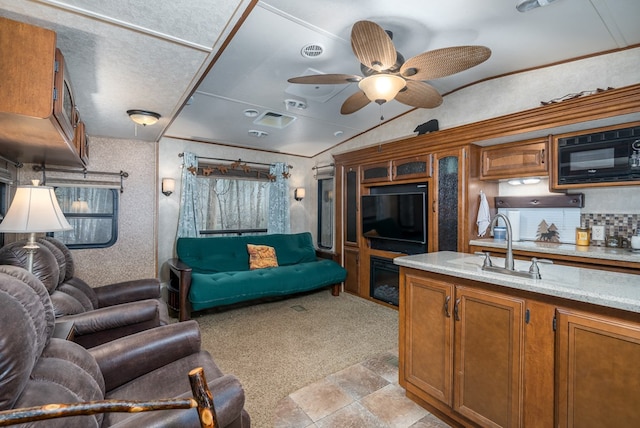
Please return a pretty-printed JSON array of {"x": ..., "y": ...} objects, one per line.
[{"x": 38, "y": 117}]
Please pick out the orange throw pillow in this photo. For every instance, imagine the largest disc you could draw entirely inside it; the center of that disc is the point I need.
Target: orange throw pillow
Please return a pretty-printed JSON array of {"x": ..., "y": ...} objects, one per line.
[{"x": 261, "y": 256}]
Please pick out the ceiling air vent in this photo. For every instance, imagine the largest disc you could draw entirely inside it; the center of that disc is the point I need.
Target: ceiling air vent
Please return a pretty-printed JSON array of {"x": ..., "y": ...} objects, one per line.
[
  {"x": 297, "y": 104},
  {"x": 274, "y": 120},
  {"x": 312, "y": 51}
]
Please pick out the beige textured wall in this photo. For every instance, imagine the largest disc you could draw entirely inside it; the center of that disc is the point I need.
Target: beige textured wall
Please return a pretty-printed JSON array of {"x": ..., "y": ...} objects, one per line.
[{"x": 133, "y": 255}]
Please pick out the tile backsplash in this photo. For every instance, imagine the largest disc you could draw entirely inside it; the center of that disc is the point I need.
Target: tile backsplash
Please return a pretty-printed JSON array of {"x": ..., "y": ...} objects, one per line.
[
  {"x": 623, "y": 225},
  {"x": 567, "y": 219}
]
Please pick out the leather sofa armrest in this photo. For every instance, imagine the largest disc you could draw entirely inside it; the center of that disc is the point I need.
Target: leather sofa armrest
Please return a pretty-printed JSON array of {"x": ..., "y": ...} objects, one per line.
[
  {"x": 180, "y": 280},
  {"x": 113, "y": 316},
  {"x": 228, "y": 402},
  {"x": 128, "y": 291},
  {"x": 129, "y": 357},
  {"x": 95, "y": 327}
]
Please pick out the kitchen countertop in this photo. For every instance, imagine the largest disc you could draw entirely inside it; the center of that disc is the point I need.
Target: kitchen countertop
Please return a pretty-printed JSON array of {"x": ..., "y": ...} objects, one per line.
[
  {"x": 604, "y": 288},
  {"x": 606, "y": 253}
]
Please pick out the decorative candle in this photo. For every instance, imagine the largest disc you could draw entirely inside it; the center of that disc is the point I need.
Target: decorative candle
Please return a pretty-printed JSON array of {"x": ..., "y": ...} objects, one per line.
[{"x": 582, "y": 236}]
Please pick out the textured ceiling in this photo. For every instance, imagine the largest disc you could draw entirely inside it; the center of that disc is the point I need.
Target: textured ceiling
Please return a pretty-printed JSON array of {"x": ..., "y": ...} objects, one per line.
[{"x": 137, "y": 54}]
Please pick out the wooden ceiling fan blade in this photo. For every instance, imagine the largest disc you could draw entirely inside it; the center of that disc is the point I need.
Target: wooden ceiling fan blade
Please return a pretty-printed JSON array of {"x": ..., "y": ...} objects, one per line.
[
  {"x": 326, "y": 79},
  {"x": 354, "y": 103},
  {"x": 372, "y": 46},
  {"x": 444, "y": 62},
  {"x": 419, "y": 94}
]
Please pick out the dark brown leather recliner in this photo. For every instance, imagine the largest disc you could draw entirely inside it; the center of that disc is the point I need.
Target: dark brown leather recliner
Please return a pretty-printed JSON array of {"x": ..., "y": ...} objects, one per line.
[
  {"x": 104, "y": 295},
  {"x": 36, "y": 369},
  {"x": 99, "y": 314}
]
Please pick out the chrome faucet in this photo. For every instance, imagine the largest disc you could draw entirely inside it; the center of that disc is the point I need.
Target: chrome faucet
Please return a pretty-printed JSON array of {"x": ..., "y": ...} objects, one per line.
[{"x": 508, "y": 261}]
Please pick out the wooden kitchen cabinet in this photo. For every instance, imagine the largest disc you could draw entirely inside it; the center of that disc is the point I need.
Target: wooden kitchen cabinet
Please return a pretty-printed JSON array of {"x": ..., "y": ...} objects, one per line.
[
  {"x": 352, "y": 265},
  {"x": 489, "y": 339},
  {"x": 38, "y": 116},
  {"x": 461, "y": 349},
  {"x": 351, "y": 196},
  {"x": 426, "y": 337},
  {"x": 376, "y": 173},
  {"x": 598, "y": 371},
  {"x": 513, "y": 160},
  {"x": 414, "y": 167},
  {"x": 410, "y": 168}
]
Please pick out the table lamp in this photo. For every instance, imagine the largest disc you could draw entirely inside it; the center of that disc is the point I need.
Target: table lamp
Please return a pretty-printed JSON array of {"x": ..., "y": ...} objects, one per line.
[{"x": 34, "y": 209}]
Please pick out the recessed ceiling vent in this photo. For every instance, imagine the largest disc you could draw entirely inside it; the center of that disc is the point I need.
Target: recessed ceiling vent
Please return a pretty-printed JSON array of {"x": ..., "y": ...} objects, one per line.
[
  {"x": 297, "y": 104},
  {"x": 274, "y": 120},
  {"x": 312, "y": 50}
]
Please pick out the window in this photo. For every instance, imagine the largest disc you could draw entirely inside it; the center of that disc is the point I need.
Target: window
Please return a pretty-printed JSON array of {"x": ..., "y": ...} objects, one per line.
[
  {"x": 233, "y": 205},
  {"x": 93, "y": 214},
  {"x": 325, "y": 213}
]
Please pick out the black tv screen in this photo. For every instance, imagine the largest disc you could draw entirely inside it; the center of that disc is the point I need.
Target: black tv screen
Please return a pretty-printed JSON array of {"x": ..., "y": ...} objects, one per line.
[{"x": 396, "y": 216}]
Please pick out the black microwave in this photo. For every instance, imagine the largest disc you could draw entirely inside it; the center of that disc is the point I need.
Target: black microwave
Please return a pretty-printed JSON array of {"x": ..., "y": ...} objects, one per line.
[{"x": 608, "y": 156}]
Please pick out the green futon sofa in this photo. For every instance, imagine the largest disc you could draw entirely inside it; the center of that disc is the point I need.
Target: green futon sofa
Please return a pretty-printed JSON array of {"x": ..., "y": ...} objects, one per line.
[{"x": 212, "y": 272}]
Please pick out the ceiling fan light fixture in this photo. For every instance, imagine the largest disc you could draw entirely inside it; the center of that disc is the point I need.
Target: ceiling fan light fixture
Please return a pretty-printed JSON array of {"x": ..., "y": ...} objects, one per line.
[
  {"x": 143, "y": 117},
  {"x": 381, "y": 88},
  {"x": 527, "y": 5}
]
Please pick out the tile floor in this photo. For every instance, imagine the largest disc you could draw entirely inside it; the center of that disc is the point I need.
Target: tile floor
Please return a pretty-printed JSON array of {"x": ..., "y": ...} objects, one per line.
[{"x": 365, "y": 395}]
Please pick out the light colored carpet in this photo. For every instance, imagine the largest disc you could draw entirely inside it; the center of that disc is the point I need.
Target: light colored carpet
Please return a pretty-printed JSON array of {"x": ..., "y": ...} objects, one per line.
[{"x": 277, "y": 348}]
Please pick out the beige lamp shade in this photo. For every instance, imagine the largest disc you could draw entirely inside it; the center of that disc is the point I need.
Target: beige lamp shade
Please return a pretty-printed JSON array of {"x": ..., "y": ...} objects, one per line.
[
  {"x": 34, "y": 209},
  {"x": 299, "y": 194},
  {"x": 381, "y": 88}
]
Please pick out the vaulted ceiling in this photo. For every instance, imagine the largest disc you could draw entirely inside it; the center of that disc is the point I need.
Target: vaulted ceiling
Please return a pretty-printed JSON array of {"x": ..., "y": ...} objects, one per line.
[{"x": 202, "y": 64}]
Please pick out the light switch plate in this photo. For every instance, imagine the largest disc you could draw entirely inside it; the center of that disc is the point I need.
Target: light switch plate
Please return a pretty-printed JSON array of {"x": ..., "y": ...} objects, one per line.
[{"x": 597, "y": 233}]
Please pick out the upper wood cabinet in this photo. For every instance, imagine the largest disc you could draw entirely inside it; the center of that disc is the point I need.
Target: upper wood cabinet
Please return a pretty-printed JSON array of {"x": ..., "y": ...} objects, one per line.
[
  {"x": 513, "y": 160},
  {"x": 376, "y": 173},
  {"x": 409, "y": 168},
  {"x": 38, "y": 117},
  {"x": 412, "y": 167}
]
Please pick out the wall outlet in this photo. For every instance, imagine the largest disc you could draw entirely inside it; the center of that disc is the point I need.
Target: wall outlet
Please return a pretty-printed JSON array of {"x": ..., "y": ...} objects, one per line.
[{"x": 597, "y": 233}]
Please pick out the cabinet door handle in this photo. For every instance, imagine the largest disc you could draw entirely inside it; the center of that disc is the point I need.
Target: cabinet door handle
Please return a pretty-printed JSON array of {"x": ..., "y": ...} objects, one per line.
[
  {"x": 446, "y": 306},
  {"x": 433, "y": 206},
  {"x": 456, "y": 312}
]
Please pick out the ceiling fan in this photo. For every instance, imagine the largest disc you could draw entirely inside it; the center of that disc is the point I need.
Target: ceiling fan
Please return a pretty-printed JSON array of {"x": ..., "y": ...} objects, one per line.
[{"x": 388, "y": 76}]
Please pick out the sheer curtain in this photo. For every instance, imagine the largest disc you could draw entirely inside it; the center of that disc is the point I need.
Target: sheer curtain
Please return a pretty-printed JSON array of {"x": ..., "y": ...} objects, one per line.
[
  {"x": 279, "y": 199},
  {"x": 188, "y": 219}
]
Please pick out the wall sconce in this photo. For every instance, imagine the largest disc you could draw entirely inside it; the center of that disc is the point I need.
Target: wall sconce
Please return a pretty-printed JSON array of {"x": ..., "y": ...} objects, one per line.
[
  {"x": 168, "y": 186},
  {"x": 299, "y": 194},
  {"x": 143, "y": 117}
]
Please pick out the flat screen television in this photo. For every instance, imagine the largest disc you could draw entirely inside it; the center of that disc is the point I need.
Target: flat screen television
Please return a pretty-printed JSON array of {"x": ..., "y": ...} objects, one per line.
[{"x": 395, "y": 216}]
